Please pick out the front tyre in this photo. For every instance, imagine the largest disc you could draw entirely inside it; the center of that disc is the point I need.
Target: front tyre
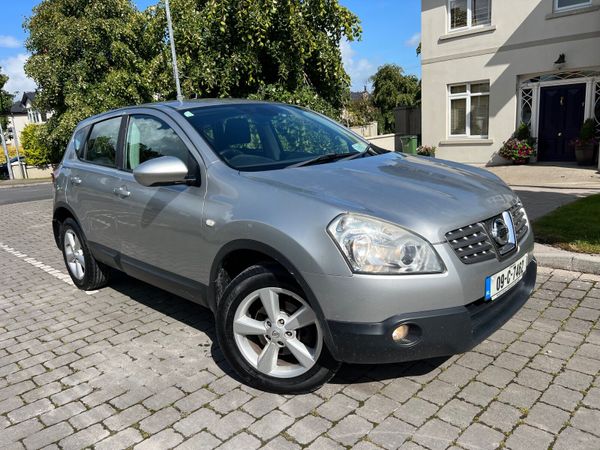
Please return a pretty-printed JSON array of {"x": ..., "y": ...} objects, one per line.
[
  {"x": 85, "y": 271},
  {"x": 270, "y": 334}
]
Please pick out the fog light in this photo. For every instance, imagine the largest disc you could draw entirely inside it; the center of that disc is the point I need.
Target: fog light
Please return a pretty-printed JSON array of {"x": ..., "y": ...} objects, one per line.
[{"x": 400, "y": 333}]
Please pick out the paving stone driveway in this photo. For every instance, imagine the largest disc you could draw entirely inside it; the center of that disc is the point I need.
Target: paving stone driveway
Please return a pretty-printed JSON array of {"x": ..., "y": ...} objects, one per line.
[{"x": 132, "y": 366}]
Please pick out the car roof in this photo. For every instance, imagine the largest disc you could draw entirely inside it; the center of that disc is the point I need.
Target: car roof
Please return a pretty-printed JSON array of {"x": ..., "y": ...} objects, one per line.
[{"x": 174, "y": 105}]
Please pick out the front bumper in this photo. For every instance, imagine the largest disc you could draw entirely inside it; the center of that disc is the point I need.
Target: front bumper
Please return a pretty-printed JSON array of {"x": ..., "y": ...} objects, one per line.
[{"x": 442, "y": 332}]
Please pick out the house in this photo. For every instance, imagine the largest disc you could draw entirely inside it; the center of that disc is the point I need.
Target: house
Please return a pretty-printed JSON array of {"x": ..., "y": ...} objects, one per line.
[
  {"x": 360, "y": 95},
  {"x": 22, "y": 113},
  {"x": 359, "y": 114},
  {"x": 489, "y": 65}
]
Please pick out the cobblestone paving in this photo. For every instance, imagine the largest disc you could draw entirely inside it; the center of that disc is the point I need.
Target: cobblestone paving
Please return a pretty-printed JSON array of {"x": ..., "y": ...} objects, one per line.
[{"x": 132, "y": 366}]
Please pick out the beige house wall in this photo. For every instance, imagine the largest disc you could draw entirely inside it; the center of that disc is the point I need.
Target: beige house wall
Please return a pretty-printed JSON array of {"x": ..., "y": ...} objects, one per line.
[
  {"x": 524, "y": 39},
  {"x": 367, "y": 130},
  {"x": 387, "y": 141},
  {"x": 18, "y": 122}
]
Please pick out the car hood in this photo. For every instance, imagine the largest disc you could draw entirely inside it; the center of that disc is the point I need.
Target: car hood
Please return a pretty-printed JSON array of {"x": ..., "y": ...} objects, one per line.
[{"x": 428, "y": 196}]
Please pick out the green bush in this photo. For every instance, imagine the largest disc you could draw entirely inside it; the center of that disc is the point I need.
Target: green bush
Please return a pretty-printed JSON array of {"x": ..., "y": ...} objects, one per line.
[
  {"x": 36, "y": 152},
  {"x": 588, "y": 130},
  {"x": 523, "y": 133},
  {"x": 427, "y": 150}
]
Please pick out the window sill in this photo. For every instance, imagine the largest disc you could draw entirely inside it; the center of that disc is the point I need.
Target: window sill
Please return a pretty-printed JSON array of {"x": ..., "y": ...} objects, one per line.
[
  {"x": 572, "y": 12},
  {"x": 473, "y": 31},
  {"x": 466, "y": 141}
]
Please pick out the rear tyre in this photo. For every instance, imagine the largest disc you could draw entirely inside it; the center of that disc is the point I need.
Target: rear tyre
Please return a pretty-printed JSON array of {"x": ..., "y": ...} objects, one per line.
[
  {"x": 270, "y": 334},
  {"x": 87, "y": 273}
]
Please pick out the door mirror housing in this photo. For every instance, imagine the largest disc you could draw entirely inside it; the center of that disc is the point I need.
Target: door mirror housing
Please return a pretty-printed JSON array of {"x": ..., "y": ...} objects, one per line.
[{"x": 161, "y": 171}]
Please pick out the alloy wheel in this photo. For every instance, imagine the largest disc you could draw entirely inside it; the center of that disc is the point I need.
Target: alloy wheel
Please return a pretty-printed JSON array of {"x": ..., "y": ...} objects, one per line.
[
  {"x": 74, "y": 254},
  {"x": 277, "y": 332}
]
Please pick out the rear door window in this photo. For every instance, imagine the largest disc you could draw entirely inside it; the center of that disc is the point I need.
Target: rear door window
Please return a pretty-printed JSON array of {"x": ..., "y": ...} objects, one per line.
[
  {"x": 79, "y": 141},
  {"x": 102, "y": 143}
]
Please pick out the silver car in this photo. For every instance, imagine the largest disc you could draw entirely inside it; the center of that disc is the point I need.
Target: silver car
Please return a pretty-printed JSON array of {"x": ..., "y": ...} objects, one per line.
[{"x": 311, "y": 246}]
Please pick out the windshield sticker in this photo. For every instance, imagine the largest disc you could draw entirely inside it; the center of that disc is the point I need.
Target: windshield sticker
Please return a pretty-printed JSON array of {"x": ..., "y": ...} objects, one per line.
[
  {"x": 188, "y": 114},
  {"x": 359, "y": 146}
]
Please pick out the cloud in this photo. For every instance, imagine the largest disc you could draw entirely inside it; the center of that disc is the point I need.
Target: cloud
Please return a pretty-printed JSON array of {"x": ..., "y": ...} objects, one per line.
[
  {"x": 17, "y": 80},
  {"x": 414, "y": 40},
  {"x": 360, "y": 70},
  {"x": 9, "y": 42}
]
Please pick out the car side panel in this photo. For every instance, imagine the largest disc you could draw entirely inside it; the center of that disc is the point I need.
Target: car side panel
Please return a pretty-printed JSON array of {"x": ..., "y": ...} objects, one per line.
[{"x": 90, "y": 194}]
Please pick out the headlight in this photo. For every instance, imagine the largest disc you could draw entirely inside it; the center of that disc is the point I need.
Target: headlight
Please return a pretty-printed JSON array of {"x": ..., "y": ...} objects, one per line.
[{"x": 374, "y": 246}]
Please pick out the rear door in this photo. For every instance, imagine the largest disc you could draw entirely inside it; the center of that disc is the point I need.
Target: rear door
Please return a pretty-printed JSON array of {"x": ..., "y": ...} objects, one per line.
[
  {"x": 161, "y": 227},
  {"x": 90, "y": 188}
]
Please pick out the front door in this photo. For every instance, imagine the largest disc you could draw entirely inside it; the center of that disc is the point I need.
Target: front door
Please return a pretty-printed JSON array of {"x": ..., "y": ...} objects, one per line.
[
  {"x": 562, "y": 110},
  {"x": 161, "y": 227}
]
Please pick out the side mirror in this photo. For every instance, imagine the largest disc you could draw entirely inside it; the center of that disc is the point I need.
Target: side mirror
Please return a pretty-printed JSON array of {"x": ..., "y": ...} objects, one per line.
[{"x": 161, "y": 171}]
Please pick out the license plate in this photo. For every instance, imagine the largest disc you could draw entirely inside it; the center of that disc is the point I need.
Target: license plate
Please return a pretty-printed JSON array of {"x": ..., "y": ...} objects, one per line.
[{"x": 499, "y": 283}]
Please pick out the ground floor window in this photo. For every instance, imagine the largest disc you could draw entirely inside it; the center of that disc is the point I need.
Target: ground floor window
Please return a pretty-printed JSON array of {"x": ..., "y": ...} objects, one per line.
[
  {"x": 469, "y": 109},
  {"x": 34, "y": 116}
]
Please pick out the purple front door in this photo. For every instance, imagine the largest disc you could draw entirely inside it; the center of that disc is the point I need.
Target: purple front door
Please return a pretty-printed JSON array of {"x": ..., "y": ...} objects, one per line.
[{"x": 562, "y": 110}]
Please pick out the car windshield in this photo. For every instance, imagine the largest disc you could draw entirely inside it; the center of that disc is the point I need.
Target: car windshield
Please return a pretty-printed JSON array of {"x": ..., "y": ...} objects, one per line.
[{"x": 263, "y": 136}]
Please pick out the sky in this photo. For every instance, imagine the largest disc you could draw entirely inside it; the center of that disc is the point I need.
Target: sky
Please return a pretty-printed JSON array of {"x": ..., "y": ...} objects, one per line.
[{"x": 391, "y": 33}]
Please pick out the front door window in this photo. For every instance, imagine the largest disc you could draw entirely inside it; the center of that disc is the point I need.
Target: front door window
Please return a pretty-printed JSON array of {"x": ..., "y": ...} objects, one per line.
[{"x": 149, "y": 137}]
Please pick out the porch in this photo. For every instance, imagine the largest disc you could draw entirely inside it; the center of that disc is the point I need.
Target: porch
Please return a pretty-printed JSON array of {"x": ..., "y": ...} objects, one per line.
[{"x": 555, "y": 105}]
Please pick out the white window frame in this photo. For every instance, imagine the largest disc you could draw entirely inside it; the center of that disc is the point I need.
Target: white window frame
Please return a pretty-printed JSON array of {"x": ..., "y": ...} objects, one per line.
[
  {"x": 466, "y": 95},
  {"x": 569, "y": 8},
  {"x": 469, "y": 25}
]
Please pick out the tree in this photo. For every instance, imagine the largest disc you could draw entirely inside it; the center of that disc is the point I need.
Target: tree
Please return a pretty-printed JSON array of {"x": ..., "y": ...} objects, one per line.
[
  {"x": 5, "y": 101},
  {"x": 90, "y": 56},
  {"x": 391, "y": 88},
  {"x": 361, "y": 111},
  {"x": 273, "y": 49},
  {"x": 87, "y": 57}
]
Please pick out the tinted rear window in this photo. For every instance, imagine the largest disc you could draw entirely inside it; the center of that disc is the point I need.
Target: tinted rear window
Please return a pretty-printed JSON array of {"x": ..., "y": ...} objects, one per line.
[{"x": 102, "y": 142}]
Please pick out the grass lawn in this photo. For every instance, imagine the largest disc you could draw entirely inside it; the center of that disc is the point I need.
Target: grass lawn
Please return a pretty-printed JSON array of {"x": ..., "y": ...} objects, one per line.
[{"x": 574, "y": 227}]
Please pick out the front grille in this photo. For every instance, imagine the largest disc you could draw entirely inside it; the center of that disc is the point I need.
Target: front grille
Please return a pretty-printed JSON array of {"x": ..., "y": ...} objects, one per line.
[
  {"x": 471, "y": 244},
  {"x": 519, "y": 221}
]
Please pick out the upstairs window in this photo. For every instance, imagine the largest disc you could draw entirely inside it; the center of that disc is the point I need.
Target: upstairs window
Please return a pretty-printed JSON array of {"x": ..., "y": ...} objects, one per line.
[
  {"x": 464, "y": 14},
  {"x": 563, "y": 5},
  {"x": 469, "y": 109}
]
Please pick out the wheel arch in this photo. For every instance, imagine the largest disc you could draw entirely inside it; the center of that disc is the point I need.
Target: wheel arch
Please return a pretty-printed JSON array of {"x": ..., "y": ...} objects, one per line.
[
  {"x": 271, "y": 255},
  {"x": 62, "y": 211}
]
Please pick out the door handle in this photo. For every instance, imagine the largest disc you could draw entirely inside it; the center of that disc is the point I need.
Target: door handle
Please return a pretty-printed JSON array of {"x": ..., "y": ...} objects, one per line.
[
  {"x": 121, "y": 191},
  {"x": 76, "y": 181}
]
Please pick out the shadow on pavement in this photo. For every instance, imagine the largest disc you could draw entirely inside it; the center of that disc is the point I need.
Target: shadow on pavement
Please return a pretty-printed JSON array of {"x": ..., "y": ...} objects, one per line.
[
  {"x": 538, "y": 203},
  {"x": 202, "y": 319}
]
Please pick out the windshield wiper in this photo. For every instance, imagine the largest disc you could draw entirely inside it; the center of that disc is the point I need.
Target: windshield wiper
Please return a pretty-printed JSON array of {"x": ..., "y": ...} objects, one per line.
[
  {"x": 327, "y": 157},
  {"x": 362, "y": 154}
]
